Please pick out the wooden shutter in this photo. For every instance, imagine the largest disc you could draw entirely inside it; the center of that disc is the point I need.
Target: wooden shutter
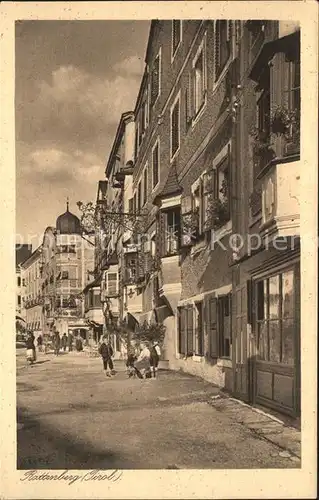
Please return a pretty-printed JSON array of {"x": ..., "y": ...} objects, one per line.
[
  {"x": 189, "y": 101},
  {"x": 208, "y": 192},
  {"x": 217, "y": 49},
  {"x": 212, "y": 328},
  {"x": 250, "y": 305},
  {"x": 182, "y": 330},
  {"x": 190, "y": 331},
  {"x": 161, "y": 234}
]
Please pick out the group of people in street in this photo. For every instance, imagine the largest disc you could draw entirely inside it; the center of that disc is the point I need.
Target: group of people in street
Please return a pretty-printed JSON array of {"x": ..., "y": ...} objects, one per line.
[
  {"x": 54, "y": 341},
  {"x": 141, "y": 363}
]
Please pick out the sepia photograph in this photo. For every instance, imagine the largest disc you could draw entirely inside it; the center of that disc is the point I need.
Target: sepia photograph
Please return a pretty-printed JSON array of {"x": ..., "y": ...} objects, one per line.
[{"x": 158, "y": 271}]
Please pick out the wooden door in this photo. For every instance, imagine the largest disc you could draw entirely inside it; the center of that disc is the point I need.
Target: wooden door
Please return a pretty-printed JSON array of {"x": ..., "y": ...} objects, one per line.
[{"x": 239, "y": 347}]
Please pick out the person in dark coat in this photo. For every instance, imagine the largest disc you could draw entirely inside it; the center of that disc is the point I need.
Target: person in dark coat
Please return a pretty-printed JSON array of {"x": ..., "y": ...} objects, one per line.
[
  {"x": 64, "y": 341},
  {"x": 40, "y": 343},
  {"x": 30, "y": 344},
  {"x": 70, "y": 341},
  {"x": 79, "y": 344},
  {"x": 57, "y": 343},
  {"x": 106, "y": 353}
]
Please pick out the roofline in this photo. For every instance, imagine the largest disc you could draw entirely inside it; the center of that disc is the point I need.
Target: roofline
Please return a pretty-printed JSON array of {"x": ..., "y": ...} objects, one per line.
[
  {"x": 37, "y": 250},
  {"x": 118, "y": 134},
  {"x": 150, "y": 37}
]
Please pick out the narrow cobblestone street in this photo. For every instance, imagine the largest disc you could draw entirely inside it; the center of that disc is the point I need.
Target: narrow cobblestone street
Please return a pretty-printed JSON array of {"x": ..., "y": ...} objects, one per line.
[{"x": 71, "y": 416}]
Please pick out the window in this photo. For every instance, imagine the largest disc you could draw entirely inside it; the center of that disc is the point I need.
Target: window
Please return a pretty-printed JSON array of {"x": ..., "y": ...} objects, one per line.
[
  {"x": 276, "y": 317},
  {"x": 172, "y": 231},
  {"x": 293, "y": 98},
  {"x": 176, "y": 35},
  {"x": 19, "y": 281},
  {"x": 220, "y": 326},
  {"x": 199, "y": 80},
  {"x": 111, "y": 284},
  {"x": 155, "y": 79},
  {"x": 186, "y": 331},
  {"x": 222, "y": 45},
  {"x": 199, "y": 330},
  {"x": 222, "y": 186},
  {"x": 23, "y": 282},
  {"x": 175, "y": 127},
  {"x": 136, "y": 139},
  {"x": 145, "y": 186},
  {"x": 65, "y": 275},
  {"x": 256, "y": 32},
  {"x": 130, "y": 206},
  {"x": 139, "y": 197},
  {"x": 188, "y": 102},
  {"x": 155, "y": 164},
  {"x": 19, "y": 300}
]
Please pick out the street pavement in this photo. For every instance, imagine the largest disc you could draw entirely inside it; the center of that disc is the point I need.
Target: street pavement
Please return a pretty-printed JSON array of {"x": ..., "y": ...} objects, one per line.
[{"x": 70, "y": 416}]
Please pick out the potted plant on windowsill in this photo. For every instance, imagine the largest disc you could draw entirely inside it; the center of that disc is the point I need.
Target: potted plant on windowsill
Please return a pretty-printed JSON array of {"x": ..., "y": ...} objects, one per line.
[
  {"x": 286, "y": 123},
  {"x": 217, "y": 213}
]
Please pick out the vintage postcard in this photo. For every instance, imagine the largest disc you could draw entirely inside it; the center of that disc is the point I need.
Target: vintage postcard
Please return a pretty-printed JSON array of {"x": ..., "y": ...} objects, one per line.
[{"x": 158, "y": 255}]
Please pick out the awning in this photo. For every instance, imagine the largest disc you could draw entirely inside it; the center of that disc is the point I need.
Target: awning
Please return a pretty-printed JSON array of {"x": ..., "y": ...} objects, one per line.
[
  {"x": 18, "y": 318},
  {"x": 132, "y": 321},
  {"x": 162, "y": 313}
]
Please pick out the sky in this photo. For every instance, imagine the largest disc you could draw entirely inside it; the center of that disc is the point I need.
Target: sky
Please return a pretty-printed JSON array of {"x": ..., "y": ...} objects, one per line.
[{"x": 73, "y": 81}]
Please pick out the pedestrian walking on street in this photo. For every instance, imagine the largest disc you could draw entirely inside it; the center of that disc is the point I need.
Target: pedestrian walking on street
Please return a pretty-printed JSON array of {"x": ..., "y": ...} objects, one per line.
[
  {"x": 40, "y": 343},
  {"x": 155, "y": 357},
  {"x": 70, "y": 341},
  {"x": 78, "y": 344},
  {"x": 142, "y": 364},
  {"x": 131, "y": 358},
  {"x": 64, "y": 341},
  {"x": 56, "y": 343},
  {"x": 106, "y": 351},
  {"x": 31, "y": 355}
]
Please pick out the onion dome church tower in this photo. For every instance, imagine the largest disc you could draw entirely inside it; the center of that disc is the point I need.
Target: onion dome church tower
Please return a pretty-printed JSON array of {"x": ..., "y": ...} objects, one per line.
[{"x": 68, "y": 223}]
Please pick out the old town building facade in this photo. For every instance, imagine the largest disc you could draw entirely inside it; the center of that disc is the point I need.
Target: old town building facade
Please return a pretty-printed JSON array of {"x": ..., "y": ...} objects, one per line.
[
  {"x": 66, "y": 266},
  {"x": 213, "y": 192},
  {"x": 32, "y": 299}
]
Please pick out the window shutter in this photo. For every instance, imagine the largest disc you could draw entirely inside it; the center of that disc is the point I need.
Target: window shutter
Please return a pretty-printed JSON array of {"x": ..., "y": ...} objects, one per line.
[
  {"x": 161, "y": 235},
  {"x": 190, "y": 332},
  {"x": 201, "y": 207},
  {"x": 188, "y": 101},
  {"x": 182, "y": 330},
  {"x": 212, "y": 327},
  {"x": 250, "y": 305}
]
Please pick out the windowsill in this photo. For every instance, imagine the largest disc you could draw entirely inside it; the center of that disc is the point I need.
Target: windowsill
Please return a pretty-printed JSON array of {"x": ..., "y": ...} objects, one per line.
[
  {"x": 225, "y": 362},
  {"x": 167, "y": 259}
]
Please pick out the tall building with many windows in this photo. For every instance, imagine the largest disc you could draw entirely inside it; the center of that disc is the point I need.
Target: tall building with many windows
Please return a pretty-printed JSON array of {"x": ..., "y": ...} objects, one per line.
[
  {"x": 66, "y": 268},
  {"x": 32, "y": 297}
]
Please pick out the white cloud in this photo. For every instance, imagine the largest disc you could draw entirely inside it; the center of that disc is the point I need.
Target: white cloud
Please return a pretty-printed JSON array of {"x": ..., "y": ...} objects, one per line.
[{"x": 74, "y": 92}]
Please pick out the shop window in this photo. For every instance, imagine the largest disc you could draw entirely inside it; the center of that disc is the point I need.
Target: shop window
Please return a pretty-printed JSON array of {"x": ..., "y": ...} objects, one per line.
[
  {"x": 275, "y": 318},
  {"x": 176, "y": 35},
  {"x": 155, "y": 164},
  {"x": 222, "y": 45},
  {"x": 175, "y": 127}
]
